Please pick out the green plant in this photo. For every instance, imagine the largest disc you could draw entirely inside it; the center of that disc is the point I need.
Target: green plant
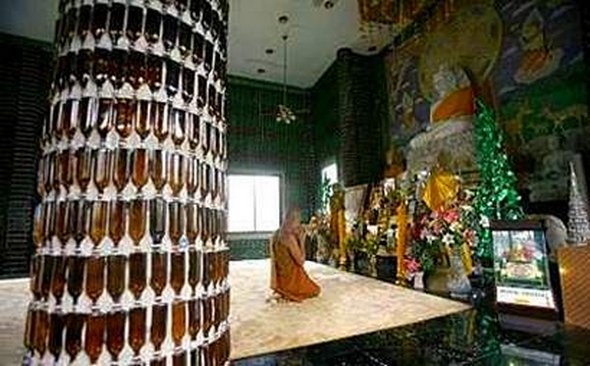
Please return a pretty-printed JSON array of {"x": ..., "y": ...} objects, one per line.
[{"x": 325, "y": 194}]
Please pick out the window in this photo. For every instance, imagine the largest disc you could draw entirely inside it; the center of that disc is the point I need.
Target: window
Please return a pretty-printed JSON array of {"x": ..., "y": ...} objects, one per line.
[
  {"x": 330, "y": 173},
  {"x": 254, "y": 203}
]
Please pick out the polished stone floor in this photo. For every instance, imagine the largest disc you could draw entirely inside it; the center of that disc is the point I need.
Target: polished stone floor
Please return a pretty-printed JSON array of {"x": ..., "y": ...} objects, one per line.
[
  {"x": 464, "y": 336},
  {"x": 349, "y": 305}
]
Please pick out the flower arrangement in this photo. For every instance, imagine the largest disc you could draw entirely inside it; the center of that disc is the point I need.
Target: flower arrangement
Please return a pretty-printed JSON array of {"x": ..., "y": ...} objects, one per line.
[{"x": 436, "y": 232}]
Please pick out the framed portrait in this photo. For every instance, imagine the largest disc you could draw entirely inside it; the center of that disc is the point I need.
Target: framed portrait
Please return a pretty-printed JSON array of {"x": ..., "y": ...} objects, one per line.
[{"x": 521, "y": 267}]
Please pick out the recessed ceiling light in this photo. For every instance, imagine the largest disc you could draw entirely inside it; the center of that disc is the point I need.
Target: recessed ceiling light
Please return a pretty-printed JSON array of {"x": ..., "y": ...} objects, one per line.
[
  {"x": 269, "y": 51},
  {"x": 328, "y": 4},
  {"x": 261, "y": 71},
  {"x": 283, "y": 19}
]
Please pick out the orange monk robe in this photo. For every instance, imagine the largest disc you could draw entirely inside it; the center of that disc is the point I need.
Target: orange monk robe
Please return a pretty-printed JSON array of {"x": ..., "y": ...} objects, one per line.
[
  {"x": 455, "y": 104},
  {"x": 288, "y": 277}
]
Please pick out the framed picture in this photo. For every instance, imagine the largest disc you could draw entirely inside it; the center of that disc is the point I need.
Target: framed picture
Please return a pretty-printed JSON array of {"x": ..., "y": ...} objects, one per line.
[{"x": 521, "y": 268}]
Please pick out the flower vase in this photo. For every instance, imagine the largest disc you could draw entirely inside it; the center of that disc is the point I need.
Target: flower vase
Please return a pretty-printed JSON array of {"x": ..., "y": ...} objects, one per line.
[
  {"x": 418, "y": 280},
  {"x": 436, "y": 279},
  {"x": 373, "y": 265},
  {"x": 458, "y": 284}
]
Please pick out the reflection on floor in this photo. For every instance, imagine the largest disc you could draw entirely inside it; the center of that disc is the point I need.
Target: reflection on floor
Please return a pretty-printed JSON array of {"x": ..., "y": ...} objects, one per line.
[{"x": 348, "y": 305}]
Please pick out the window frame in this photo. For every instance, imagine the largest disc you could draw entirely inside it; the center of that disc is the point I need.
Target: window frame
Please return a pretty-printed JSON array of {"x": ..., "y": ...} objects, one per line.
[{"x": 250, "y": 235}]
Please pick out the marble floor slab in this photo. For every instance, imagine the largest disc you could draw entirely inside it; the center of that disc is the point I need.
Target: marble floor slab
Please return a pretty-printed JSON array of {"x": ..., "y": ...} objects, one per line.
[{"x": 349, "y": 305}]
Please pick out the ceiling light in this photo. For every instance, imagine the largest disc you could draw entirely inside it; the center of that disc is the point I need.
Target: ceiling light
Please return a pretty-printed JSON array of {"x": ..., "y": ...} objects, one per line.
[
  {"x": 269, "y": 51},
  {"x": 283, "y": 19}
]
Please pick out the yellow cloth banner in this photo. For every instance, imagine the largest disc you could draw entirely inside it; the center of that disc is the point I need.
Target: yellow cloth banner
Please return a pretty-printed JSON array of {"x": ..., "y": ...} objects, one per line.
[{"x": 441, "y": 188}]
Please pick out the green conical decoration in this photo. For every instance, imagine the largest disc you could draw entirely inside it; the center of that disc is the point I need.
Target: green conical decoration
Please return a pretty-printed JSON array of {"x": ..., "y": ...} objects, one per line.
[{"x": 496, "y": 197}]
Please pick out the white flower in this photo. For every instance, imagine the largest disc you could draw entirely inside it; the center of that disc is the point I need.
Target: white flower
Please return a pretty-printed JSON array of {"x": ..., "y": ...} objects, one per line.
[
  {"x": 456, "y": 226},
  {"x": 484, "y": 221},
  {"x": 430, "y": 238},
  {"x": 448, "y": 239},
  {"x": 467, "y": 208}
]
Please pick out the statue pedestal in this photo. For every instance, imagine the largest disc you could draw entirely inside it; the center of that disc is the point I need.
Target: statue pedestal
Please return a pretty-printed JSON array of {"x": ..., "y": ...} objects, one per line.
[{"x": 453, "y": 140}]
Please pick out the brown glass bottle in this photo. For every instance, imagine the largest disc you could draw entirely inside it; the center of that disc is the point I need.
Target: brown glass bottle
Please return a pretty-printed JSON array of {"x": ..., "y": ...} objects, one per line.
[
  {"x": 102, "y": 168},
  {"x": 38, "y": 225},
  {"x": 76, "y": 267},
  {"x": 176, "y": 173},
  {"x": 207, "y": 314},
  {"x": 79, "y": 216},
  {"x": 122, "y": 168},
  {"x": 30, "y": 326},
  {"x": 137, "y": 273},
  {"x": 66, "y": 168},
  {"x": 56, "y": 336},
  {"x": 86, "y": 117},
  {"x": 179, "y": 358},
  {"x": 142, "y": 119},
  {"x": 206, "y": 140},
  {"x": 49, "y": 171},
  {"x": 206, "y": 275},
  {"x": 177, "y": 275},
  {"x": 117, "y": 221},
  {"x": 194, "y": 123},
  {"x": 159, "y": 321},
  {"x": 140, "y": 173},
  {"x": 178, "y": 322},
  {"x": 194, "y": 269},
  {"x": 159, "y": 273},
  {"x": 105, "y": 117},
  {"x": 35, "y": 275},
  {"x": 61, "y": 222},
  {"x": 154, "y": 68},
  {"x": 125, "y": 115},
  {"x": 205, "y": 225},
  {"x": 41, "y": 331},
  {"x": 192, "y": 179},
  {"x": 98, "y": 222},
  {"x": 160, "y": 121},
  {"x": 178, "y": 126},
  {"x": 116, "y": 276},
  {"x": 58, "y": 278},
  {"x": 158, "y": 361},
  {"x": 176, "y": 221},
  {"x": 83, "y": 167},
  {"x": 159, "y": 168},
  {"x": 137, "y": 220},
  {"x": 137, "y": 329},
  {"x": 194, "y": 318},
  {"x": 66, "y": 115},
  {"x": 49, "y": 225},
  {"x": 205, "y": 180},
  {"x": 95, "y": 267},
  {"x": 74, "y": 325},
  {"x": 158, "y": 208},
  {"x": 192, "y": 229},
  {"x": 115, "y": 333},
  {"x": 94, "y": 336}
]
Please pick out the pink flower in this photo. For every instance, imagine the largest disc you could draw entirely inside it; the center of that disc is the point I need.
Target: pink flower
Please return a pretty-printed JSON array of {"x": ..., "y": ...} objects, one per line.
[
  {"x": 412, "y": 265},
  {"x": 451, "y": 216}
]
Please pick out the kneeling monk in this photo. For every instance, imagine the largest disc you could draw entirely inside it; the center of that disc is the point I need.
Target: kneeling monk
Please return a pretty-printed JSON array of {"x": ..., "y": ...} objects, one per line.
[{"x": 287, "y": 253}]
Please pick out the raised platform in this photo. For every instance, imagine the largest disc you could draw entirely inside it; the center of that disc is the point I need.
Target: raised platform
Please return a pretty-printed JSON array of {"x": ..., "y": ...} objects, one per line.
[{"x": 349, "y": 305}]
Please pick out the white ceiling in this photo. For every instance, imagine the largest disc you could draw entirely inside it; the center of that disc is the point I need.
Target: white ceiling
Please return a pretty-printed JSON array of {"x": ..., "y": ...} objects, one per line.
[{"x": 315, "y": 34}]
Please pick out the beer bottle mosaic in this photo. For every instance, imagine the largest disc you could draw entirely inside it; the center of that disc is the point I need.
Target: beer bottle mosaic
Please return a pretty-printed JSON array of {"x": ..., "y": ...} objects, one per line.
[{"x": 131, "y": 261}]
